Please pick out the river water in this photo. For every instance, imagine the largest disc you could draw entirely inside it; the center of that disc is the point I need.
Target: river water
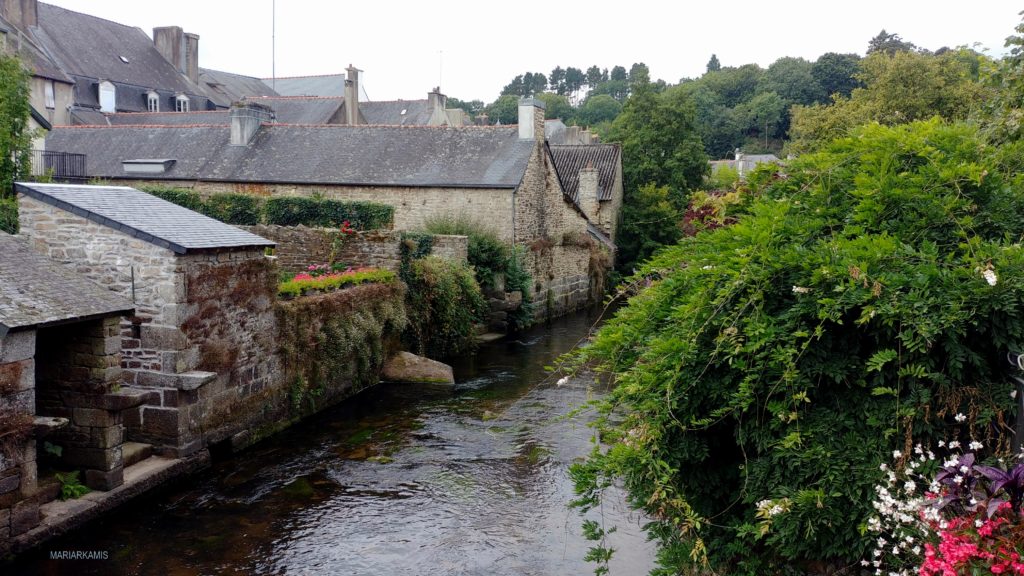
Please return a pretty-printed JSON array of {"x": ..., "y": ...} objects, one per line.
[{"x": 398, "y": 480}]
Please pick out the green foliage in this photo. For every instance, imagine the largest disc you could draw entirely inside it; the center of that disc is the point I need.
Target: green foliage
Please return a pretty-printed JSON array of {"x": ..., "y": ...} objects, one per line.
[
  {"x": 845, "y": 314},
  {"x": 650, "y": 220},
  {"x": 9, "y": 215},
  {"x": 713, "y": 64},
  {"x": 244, "y": 209},
  {"x": 443, "y": 302},
  {"x": 837, "y": 73},
  {"x": 504, "y": 110},
  {"x": 299, "y": 287},
  {"x": 556, "y": 106},
  {"x": 15, "y": 135},
  {"x": 238, "y": 209},
  {"x": 70, "y": 486},
  {"x": 889, "y": 44},
  {"x": 597, "y": 109},
  {"x": 792, "y": 79},
  {"x": 1003, "y": 113}
]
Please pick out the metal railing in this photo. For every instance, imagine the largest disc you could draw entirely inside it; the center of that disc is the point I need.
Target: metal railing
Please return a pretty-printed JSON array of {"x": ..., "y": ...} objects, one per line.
[{"x": 58, "y": 166}]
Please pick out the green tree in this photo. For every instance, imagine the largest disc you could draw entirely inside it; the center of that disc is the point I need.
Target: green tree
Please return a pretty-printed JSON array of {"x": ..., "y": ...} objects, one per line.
[
  {"x": 574, "y": 81},
  {"x": 778, "y": 361},
  {"x": 837, "y": 73},
  {"x": 889, "y": 44},
  {"x": 504, "y": 110},
  {"x": 618, "y": 73},
  {"x": 1003, "y": 114},
  {"x": 763, "y": 115},
  {"x": 556, "y": 106},
  {"x": 713, "y": 64},
  {"x": 595, "y": 76},
  {"x": 792, "y": 80},
  {"x": 557, "y": 80},
  {"x": 717, "y": 125},
  {"x": 472, "y": 107},
  {"x": 734, "y": 85},
  {"x": 650, "y": 221},
  {"x": 15, "y": 135},
  {"x": 598, "y": 109}
]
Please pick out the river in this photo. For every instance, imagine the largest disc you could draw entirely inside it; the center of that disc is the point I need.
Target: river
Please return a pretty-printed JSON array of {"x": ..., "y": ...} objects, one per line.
[{"x": 399, "y": 479}]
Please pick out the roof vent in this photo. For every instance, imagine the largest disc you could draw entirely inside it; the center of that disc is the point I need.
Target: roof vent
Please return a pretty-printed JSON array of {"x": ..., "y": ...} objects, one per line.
[
  {"x": 147, "y": 165},
  {"x": 123, "y": 59}
]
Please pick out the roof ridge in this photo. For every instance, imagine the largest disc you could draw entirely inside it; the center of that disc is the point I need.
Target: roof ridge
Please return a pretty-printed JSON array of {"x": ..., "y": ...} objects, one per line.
[
  {"x": 87, "y": 126},
  {"x": 306, "y": 76},
  {"x": 294, "y": 97},
  {"x": 167, "y": 112},
  {"x": 401, "y": 126},
  {"x": 93, "y": 17}
]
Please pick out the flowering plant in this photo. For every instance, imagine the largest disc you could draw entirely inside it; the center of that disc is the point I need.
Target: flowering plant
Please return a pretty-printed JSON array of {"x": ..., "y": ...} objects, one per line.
[
  {"x": 965, "y": 519},
  {"x": 305, "y": 282},
  {"x": 317, "y": 270}
]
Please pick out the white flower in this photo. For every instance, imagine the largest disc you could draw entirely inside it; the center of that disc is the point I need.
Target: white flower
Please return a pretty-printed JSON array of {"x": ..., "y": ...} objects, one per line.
[
  {"x": 1013, "y": 394},
  {"x": 964, "y": 469},
  {"x": 916, "y": 550},
  {"x": 960, "y": 417},
  {"x": 800, "y": 290},
  {"x": 896, "y": 454},
  {"x": 958, "y": 479},
  {"x": 990, "y": 276},
  {"x": 562, "y": 381},
  {"x": 942, "y": 443},
  {"x": 865, "y": 563},
  {"x": 910, "y": 486},
  {"x": 883, "y": 467},
  {"x": 954, "y": 443},
  {"x": 975, "y": 445},
  {"x": 708, "y": 267},
  {"x": 978, "y": 523}
]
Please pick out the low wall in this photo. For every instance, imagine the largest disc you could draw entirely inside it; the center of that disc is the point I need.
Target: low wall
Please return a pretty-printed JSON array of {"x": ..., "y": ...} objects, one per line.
[{"x": 300, "y": 246}]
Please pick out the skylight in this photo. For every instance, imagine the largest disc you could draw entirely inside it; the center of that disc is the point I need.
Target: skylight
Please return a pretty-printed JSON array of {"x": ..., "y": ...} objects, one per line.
[{"x": 123, "y": 59}]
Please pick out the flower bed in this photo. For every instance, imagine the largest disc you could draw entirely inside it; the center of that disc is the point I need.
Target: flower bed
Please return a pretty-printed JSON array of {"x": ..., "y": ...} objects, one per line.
[{"x": 318, "y": 281}]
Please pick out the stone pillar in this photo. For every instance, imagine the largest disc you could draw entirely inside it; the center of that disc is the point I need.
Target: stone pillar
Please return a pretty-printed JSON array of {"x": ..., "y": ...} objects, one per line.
[{"x": 19, "y": 512}]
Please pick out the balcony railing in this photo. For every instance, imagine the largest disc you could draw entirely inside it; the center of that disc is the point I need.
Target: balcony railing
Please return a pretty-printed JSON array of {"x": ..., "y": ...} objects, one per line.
[{"x": 58, "y": 166}]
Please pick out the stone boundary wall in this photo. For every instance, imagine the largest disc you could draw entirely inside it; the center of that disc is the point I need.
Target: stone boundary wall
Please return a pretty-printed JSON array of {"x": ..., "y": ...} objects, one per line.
[
  {"x": 300, "y": 246},
  {"x": 17, "y": 459}
]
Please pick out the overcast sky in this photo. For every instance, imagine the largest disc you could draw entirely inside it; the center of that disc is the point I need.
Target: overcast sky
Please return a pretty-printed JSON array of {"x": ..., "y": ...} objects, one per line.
[{"x": 472, "y": 49}]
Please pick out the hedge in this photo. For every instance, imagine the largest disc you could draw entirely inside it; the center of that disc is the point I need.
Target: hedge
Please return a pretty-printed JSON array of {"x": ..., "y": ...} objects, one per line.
[
  {"x": 9, "y": 216},
  {"x": 245, "y": 210}
]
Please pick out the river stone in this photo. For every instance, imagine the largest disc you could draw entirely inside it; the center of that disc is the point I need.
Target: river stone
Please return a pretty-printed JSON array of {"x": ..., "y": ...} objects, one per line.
[{"x": 408, "y": 367}]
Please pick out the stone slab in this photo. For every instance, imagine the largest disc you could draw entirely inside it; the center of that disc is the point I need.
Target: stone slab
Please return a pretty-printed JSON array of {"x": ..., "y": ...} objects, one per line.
[{"x": 408, "y": 367}]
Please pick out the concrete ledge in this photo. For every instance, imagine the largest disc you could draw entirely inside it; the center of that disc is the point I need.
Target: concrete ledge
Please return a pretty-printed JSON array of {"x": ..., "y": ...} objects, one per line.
[{"x": 59, "y": 517}]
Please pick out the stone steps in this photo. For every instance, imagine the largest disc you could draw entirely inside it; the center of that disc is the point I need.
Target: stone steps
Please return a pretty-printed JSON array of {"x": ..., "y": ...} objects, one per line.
[{"x": 135, "y": 452}]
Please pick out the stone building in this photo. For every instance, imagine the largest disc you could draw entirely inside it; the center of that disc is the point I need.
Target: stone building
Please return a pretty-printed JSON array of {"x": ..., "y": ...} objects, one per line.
[
  {"x": 507, "y": 177},
  {"x": 203, "y": 294},
  {"x": 60, "y": 372}
]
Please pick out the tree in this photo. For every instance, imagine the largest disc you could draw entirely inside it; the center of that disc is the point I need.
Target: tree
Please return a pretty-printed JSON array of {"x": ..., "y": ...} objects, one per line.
[
  {"x": 618, "y": 73},
  {"x": 836, "y": 73},
  {"x": 792, "y": 80},
  {"x": 889, "y": 44},
  {"x": 764, "y": 114},
  {"x": 717, "y": 125},
  {"x": 597, "y": 109},
  {"x": 557, "y": 80},
  {"x": 650, "y": 221},
  {"x": 1003, "y": 115},
  {"x": 526, "y": 85},
  {"x": 714, "y": 65},
  {"x": 556, "y": 106},
  {"x": 504, "y": 110},
  {"x": 472, "y": 107},
  {"x": 574, "y": 81},
  {"x": 734, "y": 85},
  {"x": 660, "y": 146},
  {"x": 15, "y": 135},
  {"x": 595, "y": 76}
]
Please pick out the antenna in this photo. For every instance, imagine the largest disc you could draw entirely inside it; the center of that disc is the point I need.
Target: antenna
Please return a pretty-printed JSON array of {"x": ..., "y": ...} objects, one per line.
[{"x": 273, "y": 44}]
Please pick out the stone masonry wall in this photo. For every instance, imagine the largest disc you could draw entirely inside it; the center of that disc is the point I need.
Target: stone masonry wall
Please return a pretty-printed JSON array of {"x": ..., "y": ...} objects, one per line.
[
  {"x": 18, "y": 512},
  {"x": 414, "y": 207},
  {"x": 299, "y": 246}
]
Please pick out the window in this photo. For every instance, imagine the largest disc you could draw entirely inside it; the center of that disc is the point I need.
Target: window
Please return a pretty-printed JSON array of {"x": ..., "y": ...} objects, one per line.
[
  {"x": 152, "y": 101},
  {"x": 181, "y": 103},
  {"x": 108, "y": 97},
  {"x": 51, "y": 102}
]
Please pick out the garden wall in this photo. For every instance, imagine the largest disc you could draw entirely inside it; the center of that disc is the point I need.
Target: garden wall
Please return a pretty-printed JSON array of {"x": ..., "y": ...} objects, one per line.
[{"x": 300, "y": 246}]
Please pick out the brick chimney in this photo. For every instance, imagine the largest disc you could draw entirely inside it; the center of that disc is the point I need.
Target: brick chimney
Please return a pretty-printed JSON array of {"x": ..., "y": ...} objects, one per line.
[
  {"x": 180, "y": 48},
  {"x": 351, "y": 96},
  {"x": 246, "y": 119},
  {"x": 531, "y": 119},
  {"x": 588, "y": 191},
  {"x": 20, "y": 13}
]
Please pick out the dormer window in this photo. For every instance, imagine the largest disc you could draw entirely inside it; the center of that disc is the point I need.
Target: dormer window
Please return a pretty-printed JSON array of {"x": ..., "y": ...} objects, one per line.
[
  {"x": 108, "y": 97},
  {"x": 152, "y": 101},
  {"x": 181, "y": 103}
]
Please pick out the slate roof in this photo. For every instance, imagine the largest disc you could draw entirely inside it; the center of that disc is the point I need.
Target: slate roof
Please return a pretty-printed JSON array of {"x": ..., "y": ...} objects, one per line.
[
  {"x": 89, "y": 49},
  {"x": 417, "y": 112},
  {"x": 325, "y": 85},
  {"x": 167, "y": 118},
  {"x": 143, "y": 216},
  {"x": 36, "y": 291},
  {"x": 570, "y": 159},
  {"x": 225, "y": 88},
  {"x": 471, "y": 157},
  {"x": 302, "y": 109},
  {"x": 33, "y": 55}
]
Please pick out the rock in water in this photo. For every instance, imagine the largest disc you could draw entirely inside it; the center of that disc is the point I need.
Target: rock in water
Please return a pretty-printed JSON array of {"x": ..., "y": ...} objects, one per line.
[{"x": 408, "y": 367}]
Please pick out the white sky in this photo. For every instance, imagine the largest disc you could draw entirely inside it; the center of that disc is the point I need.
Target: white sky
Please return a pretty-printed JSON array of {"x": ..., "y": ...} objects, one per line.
[{"x": 399, "y": 44}]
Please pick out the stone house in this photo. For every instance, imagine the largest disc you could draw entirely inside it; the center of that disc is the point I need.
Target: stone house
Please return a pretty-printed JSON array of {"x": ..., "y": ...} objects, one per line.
[
  {"x": 202, "y": 291},
  {"x": 507, "y": 177},
  {"x": 60, "y": 372}
]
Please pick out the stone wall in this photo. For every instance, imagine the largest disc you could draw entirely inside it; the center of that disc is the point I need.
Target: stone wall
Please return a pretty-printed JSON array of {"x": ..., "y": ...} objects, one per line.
[
  {"x": 299, "y": 246},
  {"x": 18, "y": 513}
]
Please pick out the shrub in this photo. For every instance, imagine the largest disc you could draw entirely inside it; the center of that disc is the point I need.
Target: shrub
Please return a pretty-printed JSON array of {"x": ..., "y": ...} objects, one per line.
[
  {"x": 443, "y": 302},
  {"x": 857, "y": 303},
  {"x": 9, "y": 215},
  {"x": 238, "y": 209},
  {"x": 180, "y": 196},
  {"x": 292, "y": 211}
]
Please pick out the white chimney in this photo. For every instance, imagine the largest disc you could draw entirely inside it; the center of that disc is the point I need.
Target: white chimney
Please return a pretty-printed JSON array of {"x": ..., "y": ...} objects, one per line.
[{"x": 531, "y": 119}]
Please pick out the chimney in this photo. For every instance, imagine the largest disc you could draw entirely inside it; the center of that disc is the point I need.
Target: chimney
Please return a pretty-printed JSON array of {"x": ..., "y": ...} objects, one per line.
[
  {"x": 192, "y": 57},
  {"x": 179, "y": 48},
  {"x": 246, "y": 118},
  {"x": 588, "y": 191},
  {"x": 351, "y": 96},
  {"x": 436, "y": 103},
  {"x": 531, "y": 119},
  {"x": 20, "y": 13}
]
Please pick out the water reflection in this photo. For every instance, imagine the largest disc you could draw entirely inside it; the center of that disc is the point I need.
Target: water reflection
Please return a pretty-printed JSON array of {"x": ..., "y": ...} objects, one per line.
[{"x": 400, "y": 480}]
